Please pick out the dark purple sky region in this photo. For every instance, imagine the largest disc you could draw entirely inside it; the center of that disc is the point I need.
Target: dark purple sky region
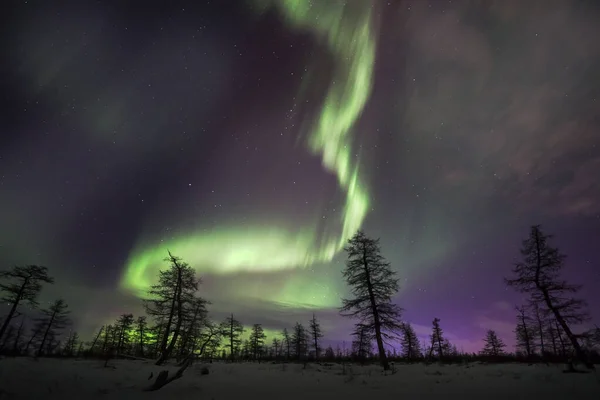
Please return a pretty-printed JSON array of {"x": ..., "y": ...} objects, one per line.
[{"x": 125, "y": 124}]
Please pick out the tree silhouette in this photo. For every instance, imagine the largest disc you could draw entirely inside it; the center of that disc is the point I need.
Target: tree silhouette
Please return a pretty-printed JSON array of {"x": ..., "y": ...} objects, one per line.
[
  {"x": 538, "y": 274},
  {"x": 23, "y": 284},
  {"x": 316, "y": 334},
  {"x": 257, "y": 341},
  {"x": 54, "y": 319},
  {"x": 524, "y": 332},
  {"x": 299, "y": 341},
  {"x": 232, "y": 330},
  {"x": 141, "y": 326},
  {"x": 438, "y": 342},
  {"x": 287, "y": 342},
  {"x": 123, "y": 326},
  {"x": 373, "y": 284},
  {"x": 362, "y": 345},
  {"x": 493, "y": 346},
  {"x": 168, "y": 300},
  {"x": 411, "y": 349}
]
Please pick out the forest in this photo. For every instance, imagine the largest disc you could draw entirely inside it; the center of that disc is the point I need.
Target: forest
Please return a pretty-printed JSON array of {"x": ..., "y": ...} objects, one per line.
[{"x": 553, "y": 326}]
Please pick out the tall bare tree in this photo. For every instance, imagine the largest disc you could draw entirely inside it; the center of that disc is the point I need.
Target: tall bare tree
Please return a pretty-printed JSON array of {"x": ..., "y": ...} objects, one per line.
[
  {"x": 373, "y": 284},
  {"x": 316, "y": 334},
  {"x": 55, "y": 318},
  {"x": 538, "y": 274},
  {"x": 168, "y": 300},
  {"x": 438, "y": 342},
  {"x": 21, "y": 284}
]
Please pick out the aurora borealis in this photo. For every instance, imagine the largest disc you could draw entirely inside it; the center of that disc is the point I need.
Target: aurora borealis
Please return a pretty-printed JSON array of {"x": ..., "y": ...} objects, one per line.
[{"x": 252, "y": 138}]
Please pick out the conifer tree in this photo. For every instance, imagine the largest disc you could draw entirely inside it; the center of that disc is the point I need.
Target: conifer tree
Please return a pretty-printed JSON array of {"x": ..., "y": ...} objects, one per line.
[
  {"x": 232, "y": 330},
  {"x": 362, "y": 344},
  {"x": 316, "y": 334},
  {"x": 493, "y": 347},
  {"x": 54, "y": 319},
  {"x": 539, "y": 275},
  {"x": 373, "y": 284},
  {"x": 524, "y": 332},
  {"x": 299, "y": 341},
  {"x": 21, "y": 284},
  {"x": 257, "y": 341},
  {"x": 411, "y": 348},
  {"x": 286, "y": 343}
]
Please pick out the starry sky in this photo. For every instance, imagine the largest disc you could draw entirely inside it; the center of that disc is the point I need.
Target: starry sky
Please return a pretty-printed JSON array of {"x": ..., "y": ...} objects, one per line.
[{"x": 252, "y": 138}]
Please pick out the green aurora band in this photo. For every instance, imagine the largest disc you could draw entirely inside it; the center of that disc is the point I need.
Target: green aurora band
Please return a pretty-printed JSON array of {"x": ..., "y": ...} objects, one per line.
[{"x": 347, "y": 30}]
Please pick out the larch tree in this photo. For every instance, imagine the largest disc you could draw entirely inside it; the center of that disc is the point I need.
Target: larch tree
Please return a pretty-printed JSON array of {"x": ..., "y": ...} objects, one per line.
[
  {"x": 168, "y": 301},
  {"x": 524, "y": 332},
  {"x": 438, "y": 342},
  {"x": 286, "y": 341},
  {"x": 232, "y": 331},
  {"x": 316, "y": 334},
  {"x": 299, "y": 341},
  {"x": 123, "y": 326},
  {"x": 21, "y": 284},
  {"x": 362, "y": 344},
  {"x": 539, "y": 275},
  {"x": 373, "y": 284},
  {"x": 493, "y": 345},
  {"x": 54, "y": 319},
  {"x": 141, "y": 327},
  {"x": 411, "y": 349},
  {"x": 257, "y": 341}
]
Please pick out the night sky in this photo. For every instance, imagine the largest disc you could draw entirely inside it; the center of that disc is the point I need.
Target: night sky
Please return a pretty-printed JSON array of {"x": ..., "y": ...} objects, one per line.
[{"x": 252, "y": 138}]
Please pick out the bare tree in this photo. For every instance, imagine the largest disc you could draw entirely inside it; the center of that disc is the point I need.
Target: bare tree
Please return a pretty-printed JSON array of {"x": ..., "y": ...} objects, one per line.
[
  {"x": 538, "y": 274},
  {"x": 373, "y": 284},
  {"x": 55, "y": 318},
  {"x": 175, "y": 289},
  {"x": 411, "y": 349},
  {"x": 438, "y": 342},
  {"x": 524, "y": 332},
  {"x": 493, "y": 347},
  {"x": 316, "y": 334},
  {"x": 232, "y": 330},
  {"x": 362, "y": 345},
  {"x": 23, "y": 284}
]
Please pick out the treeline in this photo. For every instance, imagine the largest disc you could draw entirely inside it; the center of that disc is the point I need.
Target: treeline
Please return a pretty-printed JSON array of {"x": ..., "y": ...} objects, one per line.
[{"x": 177, "y": 326}]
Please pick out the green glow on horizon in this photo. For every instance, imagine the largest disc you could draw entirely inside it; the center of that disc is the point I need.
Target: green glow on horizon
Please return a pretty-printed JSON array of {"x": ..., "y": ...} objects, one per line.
[{"x": 256, "y": 249}]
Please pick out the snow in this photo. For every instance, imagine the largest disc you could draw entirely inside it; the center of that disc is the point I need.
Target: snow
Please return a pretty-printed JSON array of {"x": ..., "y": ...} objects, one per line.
[{"x": 25, "y": 378}]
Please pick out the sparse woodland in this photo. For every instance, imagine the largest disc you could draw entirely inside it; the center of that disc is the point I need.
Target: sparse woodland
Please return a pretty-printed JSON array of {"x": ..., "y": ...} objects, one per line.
[{"x": 177, "y": 326}]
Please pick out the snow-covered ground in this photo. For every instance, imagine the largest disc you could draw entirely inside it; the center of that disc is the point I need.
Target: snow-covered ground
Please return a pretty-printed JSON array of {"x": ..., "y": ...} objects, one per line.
[{"x": 24, "y": 378}]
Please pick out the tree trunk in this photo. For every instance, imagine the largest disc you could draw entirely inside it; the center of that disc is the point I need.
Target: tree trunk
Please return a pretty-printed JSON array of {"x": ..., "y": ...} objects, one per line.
[
  {"x": 41, "y": 348},
  {"x": 96, "y": 339},
  {"x": 576, "y": 346},
  {"x": 13, "y": 309},
  {"x": 376, "y": 321}
]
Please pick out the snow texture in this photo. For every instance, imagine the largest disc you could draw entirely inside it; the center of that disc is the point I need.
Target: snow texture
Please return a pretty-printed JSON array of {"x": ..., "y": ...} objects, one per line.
[{"x": 25, "y": 378}]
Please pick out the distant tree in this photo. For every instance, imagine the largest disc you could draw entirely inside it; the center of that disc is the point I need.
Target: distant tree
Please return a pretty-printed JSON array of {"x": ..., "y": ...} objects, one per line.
[
  {"x": 54, "y": 319},
  {"x": 538, "y": 274},
  {"x": 123, "y": 327},
  {"x": 257, "y": 341},
  {"x": 141, "y": 327},
  {"x": 276, "y": 345},
  {"x": 21, "y": 284},
  {"x": 71, "y": 344},
  {"x": 168, "y": 300},
  {"x": 329, "y": 354},
  {"x": 315, "y": 334},
  {"x": 17, "y": 343},
  {"x": 494, "y": 346},
  {"x": 287, "y": 342},
  {"x": 411, "y": 349},
  {"x": 232, "y": 330},
  {"x": 524, "y": 332},
  {"x": 373, "y": 284},
  {"x": 438, "y": 342},
  {"x": 300, "y": 341},
  {"x": 362, "y": 345}
]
